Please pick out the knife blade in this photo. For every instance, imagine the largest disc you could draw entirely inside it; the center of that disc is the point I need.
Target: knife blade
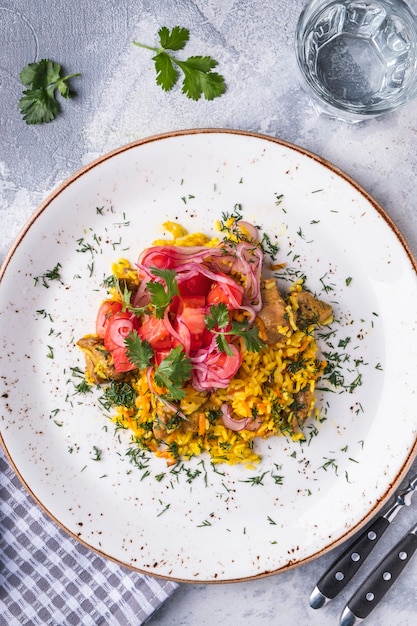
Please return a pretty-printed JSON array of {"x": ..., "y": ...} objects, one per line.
[
  {"x": 342, "y": 570},
  {"x": 380, "y": 581}
]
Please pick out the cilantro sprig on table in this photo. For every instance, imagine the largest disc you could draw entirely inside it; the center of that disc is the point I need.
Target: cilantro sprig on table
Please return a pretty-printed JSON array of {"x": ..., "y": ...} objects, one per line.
[
  {"x": 218, "y": 321},
  {"x": 199, "y": 78},
  {"x": 39, "y": 103}
]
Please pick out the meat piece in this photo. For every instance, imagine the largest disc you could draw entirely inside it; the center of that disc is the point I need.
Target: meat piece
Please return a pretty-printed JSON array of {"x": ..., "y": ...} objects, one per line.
[
  {"x": 99, "y": 368},
  {"x": 273, "y": 313},
  {"x": 310, "y": 310},
  {"x": 301, "y": 409},
  {"x": 168, "y": 419},
  {"x": 303, "y": 404}
]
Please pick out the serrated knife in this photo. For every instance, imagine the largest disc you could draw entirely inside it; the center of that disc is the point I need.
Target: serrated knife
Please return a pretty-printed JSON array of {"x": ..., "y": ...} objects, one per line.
[
  {"x": 345, "y": 567},
  {"x": 380, "y": 580}
]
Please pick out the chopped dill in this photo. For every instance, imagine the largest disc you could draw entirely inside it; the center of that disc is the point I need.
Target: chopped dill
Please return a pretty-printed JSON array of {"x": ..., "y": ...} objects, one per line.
[
  {"x": 326, "y": 286},
  {"x": 255, "y": 480},
  {"x": 329, "y": 464},
  {"x": 50, "y": 275},
  {"x": 118, "y": 393},
  {"x": 44, "y": 314},
  {"x": 109, "y": 282},
  {"x": 174, "y": 450},
  {"x": 206, "y": 522},
  {"x": 83, "y": 387},
  {"x": 138, "y": 458},
  {"x": 268, "y": 247},
  {"x": 97, "y": 454},
  {"x": 166, "y": 507}
]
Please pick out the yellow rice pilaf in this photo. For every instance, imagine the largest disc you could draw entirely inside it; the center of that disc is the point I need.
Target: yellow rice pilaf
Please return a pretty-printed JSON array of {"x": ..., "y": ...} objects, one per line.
[{"x": 272, "y": 386}]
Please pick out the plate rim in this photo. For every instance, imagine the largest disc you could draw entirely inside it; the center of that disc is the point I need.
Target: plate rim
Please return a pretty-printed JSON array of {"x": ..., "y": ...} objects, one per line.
[{"x": 56, "y": 191}]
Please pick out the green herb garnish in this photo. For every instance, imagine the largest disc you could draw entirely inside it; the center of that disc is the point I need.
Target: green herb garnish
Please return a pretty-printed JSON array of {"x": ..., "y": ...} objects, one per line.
[
  {"x": 161, "y": 298},
  {"x": 139, "y": 351},
  {"x": 118, "y": 393},
  {"x": 39, "y": 103},
  {"x": 173, "y": 371},
  {"x": 97, "y": 454},
  {"x": 255, "y": 480},
  {"x": 199, "y": 78},
  {"x": 217, "y": 321},
  {"x": 49, "y": 275}
]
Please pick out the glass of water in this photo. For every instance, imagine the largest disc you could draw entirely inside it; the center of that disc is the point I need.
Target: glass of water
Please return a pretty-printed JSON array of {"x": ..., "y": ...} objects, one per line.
[{"x": 358, "y": 58}]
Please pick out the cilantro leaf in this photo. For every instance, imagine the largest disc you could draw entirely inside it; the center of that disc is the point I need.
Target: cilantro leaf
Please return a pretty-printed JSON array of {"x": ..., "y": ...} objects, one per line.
[
  {"x": 201, "y": 64},
  {"x": 126, "y": 297},
  {"x": 249, "y": 334},
  {"x": 139, "y": 352},
  {"x": 199, "y": 78},
  {"x": 39, "y": 104},
  {"x": 174, "y": 39},
  {"x": 223, "y": 344},
  {"x": 217, "y": 317},
  {"x": 160, "y": 298},
  {"x": 166, "y": 74},
  {"x": 173, "y": 371},
  {"x": 37, "y": 75},
  {"x": 217, "y": 321}
]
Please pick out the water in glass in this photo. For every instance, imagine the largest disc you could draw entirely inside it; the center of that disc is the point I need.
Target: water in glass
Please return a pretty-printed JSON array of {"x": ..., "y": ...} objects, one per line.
[{"x": 359, "y": 56}]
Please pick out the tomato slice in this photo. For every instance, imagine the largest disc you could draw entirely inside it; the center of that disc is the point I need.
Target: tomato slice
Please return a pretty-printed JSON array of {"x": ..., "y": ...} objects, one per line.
[
  {"x": 191, "y": 301},
  {"x": 160, "y": 355},
  {"x": 107, "y": 310},
  {"x": 207, "y": 337},
  {"x": 229, "y": 294},
  {"x": 121, "y": 362},
  {"x": 118, "y": 328},
  {"x": 197, "y": 285},
  {"x": 194, "y": 319},
  {"x": 153, "y": 330}
]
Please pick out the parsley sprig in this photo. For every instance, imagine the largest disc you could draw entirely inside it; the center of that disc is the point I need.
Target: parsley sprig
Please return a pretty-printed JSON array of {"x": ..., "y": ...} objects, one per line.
[
  {"x": 39, "y": 103},
  {"x": 199, "y": 78},
  {"x": 218, "y": 321}
]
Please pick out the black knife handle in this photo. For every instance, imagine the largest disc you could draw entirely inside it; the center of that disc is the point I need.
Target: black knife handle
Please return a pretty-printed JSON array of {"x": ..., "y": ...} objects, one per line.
[
  {"x": 346, "y": 566},
  {"x": 380, "y": 581}
]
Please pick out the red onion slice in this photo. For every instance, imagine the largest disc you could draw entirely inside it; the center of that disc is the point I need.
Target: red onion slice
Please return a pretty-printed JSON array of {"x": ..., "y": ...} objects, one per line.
[{"x": 230, "y": 422}]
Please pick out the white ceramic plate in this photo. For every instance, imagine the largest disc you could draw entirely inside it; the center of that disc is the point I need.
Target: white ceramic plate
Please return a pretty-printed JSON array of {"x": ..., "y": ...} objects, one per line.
[{"x": 234, "y": 523}]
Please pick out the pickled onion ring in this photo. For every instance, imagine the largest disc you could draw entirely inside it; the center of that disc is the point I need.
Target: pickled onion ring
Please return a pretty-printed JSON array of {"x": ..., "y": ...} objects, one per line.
[{"x": 230, "y": 422}]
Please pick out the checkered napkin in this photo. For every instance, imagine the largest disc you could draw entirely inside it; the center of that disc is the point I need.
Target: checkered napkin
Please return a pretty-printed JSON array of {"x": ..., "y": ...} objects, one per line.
[{"x": 48, "y": 578}]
